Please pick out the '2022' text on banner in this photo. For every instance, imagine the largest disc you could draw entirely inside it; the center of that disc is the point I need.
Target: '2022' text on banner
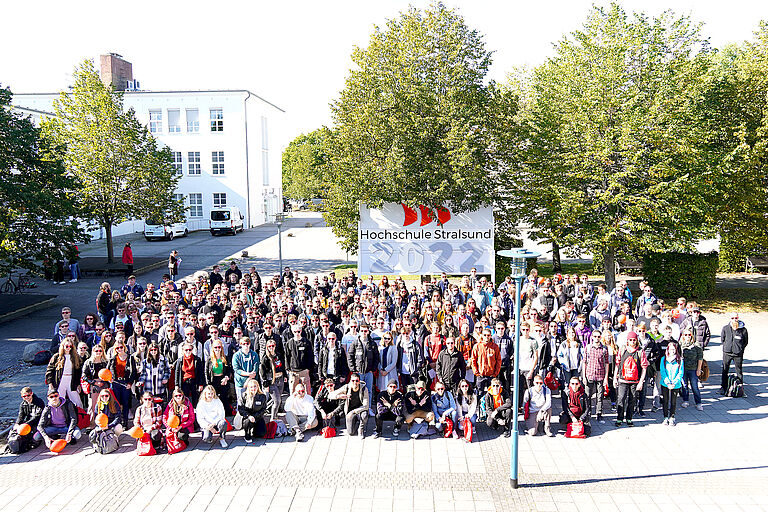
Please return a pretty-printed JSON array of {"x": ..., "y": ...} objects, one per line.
[{"x": 397, "y": 239}]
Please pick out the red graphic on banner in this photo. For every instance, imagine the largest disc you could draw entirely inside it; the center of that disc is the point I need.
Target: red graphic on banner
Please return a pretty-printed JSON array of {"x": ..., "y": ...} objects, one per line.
[{"x": 411, "y": 215}]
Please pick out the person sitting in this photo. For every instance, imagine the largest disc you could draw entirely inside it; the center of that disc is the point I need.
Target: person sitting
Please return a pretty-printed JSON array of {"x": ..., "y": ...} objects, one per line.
[
  {"x": 355, "y": 398},
  {"x": 578, "y": 405},
  {"x": 389, "y": 407},
  {"x": 107, "y": 404},
  {"x": 300, "y": 411},
  {"x": 59, "y": 418},
  {"x": 328, "y": 409},
  {"x": 29, "y": 414},
  {"x": 181, "y": 407},
  {"x": 466, "y": 405},
  {"x": 418, "y": 404},
  {"x": 149, "y": 417},
  {"x": 444, "y": 408},
  {"x": 498, "y": 407},
  {"x": 252, "y": 405},
  {"x": 210, "y": 416}
]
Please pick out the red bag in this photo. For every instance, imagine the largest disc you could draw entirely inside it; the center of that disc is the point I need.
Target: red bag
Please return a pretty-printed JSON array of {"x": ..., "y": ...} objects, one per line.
[
  {"x": 551, "y": 382},
  {"x": 271, "y": 430},
  {"x": 144, "y": 446},
  {"x": 527, "y": 409},
  {"x": 328, "y": 432},
  {"x": 467, "y": 427},
  {"x": 174, "y": 444},
  {"x": 630, "y": 368},
  {"x": 448, "y": 429},
  {"x": 85, "y": 385},
  {"x": 83, "y": 420},
  {"x": 230, "y": 428},
  {"x": 575, "y": 430}
]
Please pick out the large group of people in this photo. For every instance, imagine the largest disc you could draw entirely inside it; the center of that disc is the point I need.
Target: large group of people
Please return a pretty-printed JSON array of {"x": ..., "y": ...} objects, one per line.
[{"x": 227, "y": 350}]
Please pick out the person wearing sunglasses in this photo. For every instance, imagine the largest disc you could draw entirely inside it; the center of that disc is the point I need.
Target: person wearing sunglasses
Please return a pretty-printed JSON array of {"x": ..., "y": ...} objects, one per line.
[
  {"x": 180, "y": 406},
  {"x": 355, "y": 398},
  {"x": 300, "y": 412},
  {"x": 389, "y": 407},
  {"x": 124, "y": 376},
  {"x": 387, "y": 361},
  {"x": 155, "y": 373},
  {"x": 65, "y": 370},
  {"x": 218, "y": 373},
  {"x": 29, "y": 413},
  {"x": 418, "y": 405},
  {"x": 498, "y": 407},
  {"x": 189, "y": 373},
  {"x": 149, "y": 417},
  {"x": 59, "y": 418}
]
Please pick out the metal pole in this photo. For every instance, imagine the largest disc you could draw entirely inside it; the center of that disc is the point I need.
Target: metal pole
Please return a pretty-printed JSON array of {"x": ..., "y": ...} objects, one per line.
[
  {"x": 280, "y": 248},
  {"x": 516, "y": 379}
]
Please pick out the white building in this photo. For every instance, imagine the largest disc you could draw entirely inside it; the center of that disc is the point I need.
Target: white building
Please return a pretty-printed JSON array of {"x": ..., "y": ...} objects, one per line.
[{"x": 222, "y": 141}]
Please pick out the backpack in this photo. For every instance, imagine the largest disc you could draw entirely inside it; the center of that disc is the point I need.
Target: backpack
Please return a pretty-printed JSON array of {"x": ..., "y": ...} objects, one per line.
[
  {"x": 41, "y": 358},
  {"x": 271, "y": 430},
  {"x": 83, "y": 419},
  {"x": 280, "y": 429},
  {"x": 17, "y": 443},
  {"x": 735, "y": 386},
  {"x": 104, "y": 441},
  {"x": 630, "y": 367}
]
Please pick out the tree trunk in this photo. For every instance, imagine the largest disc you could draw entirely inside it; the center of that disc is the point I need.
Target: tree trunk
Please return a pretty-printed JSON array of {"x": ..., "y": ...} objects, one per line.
[
  {"x": 556, "y": 267},
  {"x": 609, "y": 261},
  {"x": 110, "y": 247}
]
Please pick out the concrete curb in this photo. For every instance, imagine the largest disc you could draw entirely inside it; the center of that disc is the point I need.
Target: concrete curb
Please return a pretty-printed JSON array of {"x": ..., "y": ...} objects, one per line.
[{"x": 27, "y": 310}]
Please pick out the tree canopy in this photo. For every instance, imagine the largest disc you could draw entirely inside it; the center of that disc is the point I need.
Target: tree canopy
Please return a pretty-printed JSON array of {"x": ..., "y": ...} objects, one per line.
[
  {"x": 304, "y": 164},
  {"x": 121, "y": 172},
  {"x": 38, "y": 197}
]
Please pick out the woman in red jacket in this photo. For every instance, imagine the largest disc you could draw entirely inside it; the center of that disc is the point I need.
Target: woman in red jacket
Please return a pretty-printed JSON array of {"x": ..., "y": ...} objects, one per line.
[
  {"x": 128, "y": 259},
  {"x": 180, "y": 406}
]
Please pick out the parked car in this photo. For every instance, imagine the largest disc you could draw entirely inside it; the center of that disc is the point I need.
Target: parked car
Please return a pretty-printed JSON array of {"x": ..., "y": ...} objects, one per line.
[
  {"x": 157, "y": 230},
  {"x": 226, "y": 220},
  {"x": 317, "y": 204}
]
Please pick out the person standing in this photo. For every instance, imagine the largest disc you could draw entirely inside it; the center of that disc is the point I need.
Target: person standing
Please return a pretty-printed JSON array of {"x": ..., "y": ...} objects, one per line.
[
  {"x": 128, "y": 259},
  {"x": 693, "y": 356},
  {"x": 671, "y": 373},
  {"x": 174, "y": 260},
  {"x": 735, "y": 338},
  {"x": 631, "y": 365}
]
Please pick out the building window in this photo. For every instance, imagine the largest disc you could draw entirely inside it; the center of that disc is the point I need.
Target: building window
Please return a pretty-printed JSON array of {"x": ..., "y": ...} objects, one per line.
[
  {"x": 174, "y": 120},
  {"x": 156, "y": 121},
  {"x": 193, "y": 162},
  {"x": 195, "y": 205},
  {"x": 178, "y": 197},
  {"x": 217, "y": 120},
  {"x": 193, "y": 121},
  {"x": 178, "y": 163},
  {"x": 217, "y": 162},
  {"x": 219, "y": 200},
  {"x": 265, "y": 167}
]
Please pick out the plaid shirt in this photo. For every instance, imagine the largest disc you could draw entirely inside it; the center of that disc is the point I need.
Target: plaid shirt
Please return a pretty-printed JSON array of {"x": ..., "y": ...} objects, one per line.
[
  {"x": 597, "y": 359},
  {"x": 149, "y": 417}
]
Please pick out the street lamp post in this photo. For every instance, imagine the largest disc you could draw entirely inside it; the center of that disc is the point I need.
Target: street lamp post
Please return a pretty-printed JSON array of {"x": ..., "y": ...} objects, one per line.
[
  {"x": 517, "y": 272},
  {"x": 279, "y": 218}
]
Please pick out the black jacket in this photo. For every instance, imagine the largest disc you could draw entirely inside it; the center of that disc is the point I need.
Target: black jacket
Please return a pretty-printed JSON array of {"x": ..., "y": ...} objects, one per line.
[
  {"x": 53, "y": 375},
  {"x": 266, "y": 375},
  {"x": 299, "y": 354},
  {"x": 31, "y": 413},
  {"x": 256, "y": 409},
  {"x": 363, "y": 355},
  {"x": 423, "y": 402},
  {"x": 131, "y": 372},
  {"x": 340, "y": 367},
  {"x": 199, "y": 372},
  {"x": 450, "y": 367},
  {"x": 209, "y": 370},
  {"x": 327, "y": 405},
  {"x": 734, "y": 340}
]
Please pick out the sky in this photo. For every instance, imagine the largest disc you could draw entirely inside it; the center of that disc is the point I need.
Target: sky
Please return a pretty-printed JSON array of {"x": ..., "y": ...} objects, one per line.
[{"x": 295, "y": 54}]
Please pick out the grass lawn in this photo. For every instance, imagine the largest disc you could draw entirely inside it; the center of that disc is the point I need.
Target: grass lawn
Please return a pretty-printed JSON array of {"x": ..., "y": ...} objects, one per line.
[
  {"x": 748, "y": 300},
  {"x": 545, "y": 269}
]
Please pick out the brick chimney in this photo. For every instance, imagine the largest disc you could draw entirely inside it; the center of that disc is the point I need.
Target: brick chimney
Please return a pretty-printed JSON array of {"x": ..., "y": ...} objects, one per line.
[{"x": 115, "y": 71}]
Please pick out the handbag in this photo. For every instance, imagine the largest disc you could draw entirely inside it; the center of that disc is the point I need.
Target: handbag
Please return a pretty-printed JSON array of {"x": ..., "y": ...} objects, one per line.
[
  {"x": 575, "y": 430},
  {"x": 467, "y": 427},
  {"x": 174, "y": 444},
  {"x": 328, "y": 432},
  {"x": 704, "y": 371},
  {"x": 237, "y": 422},
  {"x": 527, "y": 409},
  {"x": 85, "y": 385},
  {"x": 144, "y": 446},
  {"x": 448, "y": 429},
  {"x": 83, "y": 419}
]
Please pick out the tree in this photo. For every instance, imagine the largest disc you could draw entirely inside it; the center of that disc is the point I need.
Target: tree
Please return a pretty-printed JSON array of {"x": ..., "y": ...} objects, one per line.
[
  {"x": 121, "y": 172},
  {"x": 733, "y": 115},
  {"x": 37, "y": 195},
  {"x": 304, "y": 164},
  {"x": 611, "y": 165},
  {"x": 413, "y": 122}
]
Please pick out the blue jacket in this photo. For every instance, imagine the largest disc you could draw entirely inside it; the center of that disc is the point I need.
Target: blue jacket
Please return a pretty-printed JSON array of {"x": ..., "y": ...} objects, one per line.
[
  {"x": 443, "y": 405},
  {"x": 244, "y": 364},
  {"x": 671, "y": 373}
]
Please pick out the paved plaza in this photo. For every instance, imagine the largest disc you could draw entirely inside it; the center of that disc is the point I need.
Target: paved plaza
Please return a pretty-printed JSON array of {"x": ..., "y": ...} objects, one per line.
[{"x": 716, "y": 459}]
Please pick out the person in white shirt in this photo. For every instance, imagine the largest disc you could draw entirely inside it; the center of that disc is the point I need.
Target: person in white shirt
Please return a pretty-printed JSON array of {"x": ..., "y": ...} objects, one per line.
[
  {"x": 209, "y": 414},
  {"x": 300, "y": 412}
]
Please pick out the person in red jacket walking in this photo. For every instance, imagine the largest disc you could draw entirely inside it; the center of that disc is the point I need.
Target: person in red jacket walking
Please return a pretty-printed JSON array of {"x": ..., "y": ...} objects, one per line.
[{"x": 128, "y": 259}]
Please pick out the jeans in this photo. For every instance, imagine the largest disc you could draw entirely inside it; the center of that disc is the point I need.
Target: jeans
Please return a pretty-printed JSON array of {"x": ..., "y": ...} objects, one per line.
[
  {"x": 737, "y": 362},
  {"x": 368, "y": 379},
  {"x": 276, "y": 396},
  {"x": 74, "y": 268},
  {"x": 596, "y": 388},
  {"x": 352, "y": 419},
  {"x": 123, "y": 396},
  {"x": 299, "y": 422},
  {"x": 53, "y": 430},
  {"x": 690, "y": 377},
  {"x": 221, "y": 426},
  {"x": 668, "y": 401},
  {"x": 254, "y": 428},
  {"x": 505, "y": 414},
  {"x": 626, "y": 402}
]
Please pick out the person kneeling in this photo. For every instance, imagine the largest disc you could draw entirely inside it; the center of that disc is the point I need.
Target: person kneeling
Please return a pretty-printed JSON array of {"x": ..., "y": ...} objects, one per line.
[
  {"x": 149, "y": 417},
  {"x": 389, "y": 407},
  {"x": 356, "y": 404},
  {"x": 327, "y": 408},
  {"x": 418, "y": 404},
  {"x": 537, "y": 403},
  {"x": 578, "y": 405},
  {"x": 211, "y": 417},
  {"x": 444, "y": 409},
  {"x": 251, "y": 406},
  {"x": 498, "y": 407},
  {"x": 300, "y": 411}
]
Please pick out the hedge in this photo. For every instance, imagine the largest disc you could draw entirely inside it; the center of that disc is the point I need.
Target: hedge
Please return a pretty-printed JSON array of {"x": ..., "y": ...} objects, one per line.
[{"x": 673, "y": 275}]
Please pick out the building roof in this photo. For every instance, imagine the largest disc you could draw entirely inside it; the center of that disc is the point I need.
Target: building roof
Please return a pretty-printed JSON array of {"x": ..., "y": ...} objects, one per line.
[
  {"x": 201, "y": 91},
  {"x": 36, "y": 111}
]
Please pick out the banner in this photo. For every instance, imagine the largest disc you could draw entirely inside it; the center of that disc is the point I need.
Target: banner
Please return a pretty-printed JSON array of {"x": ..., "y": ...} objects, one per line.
[{"x": 397, "y": 239}]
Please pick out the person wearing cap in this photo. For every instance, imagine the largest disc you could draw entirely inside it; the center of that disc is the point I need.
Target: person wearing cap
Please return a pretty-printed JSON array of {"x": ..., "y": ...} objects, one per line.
[
  {"x": 734, "y": 338},
  {"x": 59, "y": 418},
  {"x": 389, "y": 407},
  {"x": 132, "y": 287},
  {"x": 698, "y": 324},
  {"x": 631, "y": 365},
  {"x": 418, "y": 404}
]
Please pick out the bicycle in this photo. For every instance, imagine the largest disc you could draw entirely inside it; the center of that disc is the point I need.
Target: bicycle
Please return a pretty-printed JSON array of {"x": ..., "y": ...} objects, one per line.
[{"x": 23, "y": 282}]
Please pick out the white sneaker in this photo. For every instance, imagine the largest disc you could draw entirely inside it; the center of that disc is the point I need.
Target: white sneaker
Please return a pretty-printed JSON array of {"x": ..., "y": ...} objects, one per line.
[
  {"x": 699, "y": 407},
  {"x": 73, "y": 280},
  {"x": 223, "y": 442},
  {"x": 685, "y": 404}
]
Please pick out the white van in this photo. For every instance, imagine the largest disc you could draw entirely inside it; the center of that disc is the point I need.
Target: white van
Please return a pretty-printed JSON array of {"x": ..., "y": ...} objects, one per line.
[
  {"x": 154, "y": 229},
  {"x": 226, "y": 220}
]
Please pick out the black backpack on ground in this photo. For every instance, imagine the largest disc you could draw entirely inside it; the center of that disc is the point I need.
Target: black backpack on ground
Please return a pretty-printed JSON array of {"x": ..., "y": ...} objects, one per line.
[{"x": 735, "y": 386}]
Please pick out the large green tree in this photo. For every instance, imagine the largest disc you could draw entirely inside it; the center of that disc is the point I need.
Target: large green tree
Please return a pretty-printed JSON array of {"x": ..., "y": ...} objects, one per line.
[
  {"x": 305, "y": 161},
  {"x": 38, "y": 197},
  {"x": 122, "y": 173},
  {"x": 611, "y": 164},
  {"x": 413, "y": 123}
]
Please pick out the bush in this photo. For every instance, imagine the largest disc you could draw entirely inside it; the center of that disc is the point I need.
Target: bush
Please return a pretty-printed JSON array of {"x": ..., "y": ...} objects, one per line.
[{"x": 679, "y": 274}]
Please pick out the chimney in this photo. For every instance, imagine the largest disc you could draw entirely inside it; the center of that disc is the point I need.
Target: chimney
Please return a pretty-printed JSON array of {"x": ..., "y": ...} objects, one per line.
[{"x": 115, "y": 71}]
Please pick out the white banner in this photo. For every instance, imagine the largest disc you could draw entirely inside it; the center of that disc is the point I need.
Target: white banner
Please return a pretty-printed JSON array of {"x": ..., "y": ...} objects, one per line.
[{"x": 396, "y": 239}]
